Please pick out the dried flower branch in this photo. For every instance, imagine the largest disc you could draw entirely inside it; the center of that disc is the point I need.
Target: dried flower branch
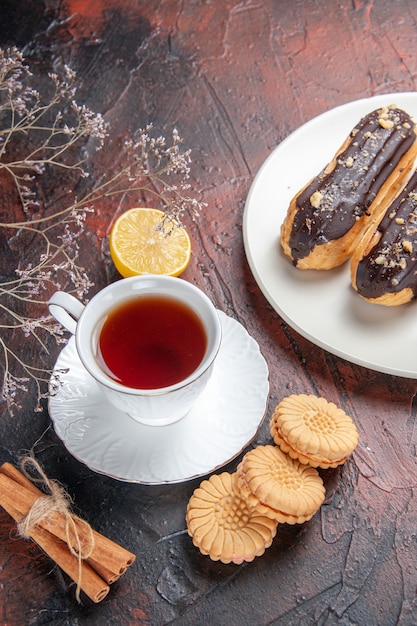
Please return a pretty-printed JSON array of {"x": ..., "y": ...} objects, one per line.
[{"x": 40, "y": 136}]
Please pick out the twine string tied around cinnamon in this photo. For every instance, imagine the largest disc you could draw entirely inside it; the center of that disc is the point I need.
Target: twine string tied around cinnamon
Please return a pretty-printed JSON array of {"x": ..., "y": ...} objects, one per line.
[{"x": 58, "y": 501}]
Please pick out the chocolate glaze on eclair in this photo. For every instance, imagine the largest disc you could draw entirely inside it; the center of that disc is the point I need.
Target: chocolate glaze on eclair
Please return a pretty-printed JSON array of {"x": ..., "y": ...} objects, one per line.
[
  {"x": 384, "y": 266},
  {"x": 327, "y": 218}
]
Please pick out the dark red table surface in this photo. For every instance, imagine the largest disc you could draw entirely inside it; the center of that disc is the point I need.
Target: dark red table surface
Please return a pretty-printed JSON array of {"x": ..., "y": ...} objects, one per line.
[{"x": 235, "y": 78}]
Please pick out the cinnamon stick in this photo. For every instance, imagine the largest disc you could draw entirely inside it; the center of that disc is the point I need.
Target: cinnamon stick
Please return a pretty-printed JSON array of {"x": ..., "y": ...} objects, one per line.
[
  {"x": 107, "y": 560},
  {"x": 107, "y": 557},
  {"x": 9, "y": 470},
  {"x": 91, "y": 583}
]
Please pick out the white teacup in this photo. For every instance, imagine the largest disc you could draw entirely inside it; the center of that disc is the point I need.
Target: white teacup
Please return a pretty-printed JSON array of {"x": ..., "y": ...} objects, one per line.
[{"x": 153, "y": 406}]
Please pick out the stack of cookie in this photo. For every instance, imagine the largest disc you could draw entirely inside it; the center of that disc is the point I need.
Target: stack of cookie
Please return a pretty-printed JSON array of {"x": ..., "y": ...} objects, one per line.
[
  {"x": 313, "y": 430},
  {"x": 234, "y": 517}
]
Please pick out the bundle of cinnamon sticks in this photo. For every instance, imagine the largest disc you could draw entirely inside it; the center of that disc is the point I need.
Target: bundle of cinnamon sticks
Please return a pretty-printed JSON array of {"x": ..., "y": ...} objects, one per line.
[{"x": 105, "y": 562}]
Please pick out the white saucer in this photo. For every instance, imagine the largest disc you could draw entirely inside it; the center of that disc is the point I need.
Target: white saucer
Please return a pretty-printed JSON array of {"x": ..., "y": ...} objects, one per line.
[{"x": 224, "y": 420}]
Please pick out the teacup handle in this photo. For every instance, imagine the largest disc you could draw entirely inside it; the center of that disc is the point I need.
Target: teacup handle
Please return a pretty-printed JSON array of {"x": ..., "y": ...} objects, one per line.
[{"x": 65, "y": 309}]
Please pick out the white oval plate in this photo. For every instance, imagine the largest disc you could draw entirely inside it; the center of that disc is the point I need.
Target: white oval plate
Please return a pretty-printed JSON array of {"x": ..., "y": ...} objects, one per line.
[
  {"x": 322, "y": 306},
  {"x": 222, "y": 422}
]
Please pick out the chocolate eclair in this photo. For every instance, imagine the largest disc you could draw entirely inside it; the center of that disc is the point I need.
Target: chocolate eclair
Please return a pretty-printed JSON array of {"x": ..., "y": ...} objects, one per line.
[
  {"x": 384, "y": 265},
  {"x": 327, "y": 218}
]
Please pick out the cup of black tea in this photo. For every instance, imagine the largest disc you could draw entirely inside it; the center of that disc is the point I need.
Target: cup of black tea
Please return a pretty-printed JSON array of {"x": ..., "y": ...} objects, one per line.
[{"x": 150, "y": 342}]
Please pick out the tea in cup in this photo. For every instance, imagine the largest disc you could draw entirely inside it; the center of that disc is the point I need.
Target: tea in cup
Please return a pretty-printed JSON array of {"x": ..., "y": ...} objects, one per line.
[{"x": 150, "y": 343}]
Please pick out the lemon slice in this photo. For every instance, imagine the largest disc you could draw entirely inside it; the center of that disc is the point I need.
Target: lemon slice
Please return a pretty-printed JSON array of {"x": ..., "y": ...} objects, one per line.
[{"x": 139, "y": 246}]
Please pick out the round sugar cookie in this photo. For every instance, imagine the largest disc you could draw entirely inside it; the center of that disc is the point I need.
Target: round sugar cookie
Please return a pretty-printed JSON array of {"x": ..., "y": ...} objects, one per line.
[
  {"x": 313, "y": 431},
  {"x": 222, "y": 523},
  {"x": 278, "y": 516},
  {"x": 293, "y": 491}
]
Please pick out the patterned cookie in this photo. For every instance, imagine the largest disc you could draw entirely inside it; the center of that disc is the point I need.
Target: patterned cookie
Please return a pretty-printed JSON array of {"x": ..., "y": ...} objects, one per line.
[
  {"x": 224, "y": 525},
  {"x": 263, "y": 509},
  {"x": 279, "y": 486},
  {"x": 313, "y": 431}
]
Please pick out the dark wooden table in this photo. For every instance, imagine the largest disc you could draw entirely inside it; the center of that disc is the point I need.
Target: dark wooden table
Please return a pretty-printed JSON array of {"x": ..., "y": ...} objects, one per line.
[{"x": 235, "y": 78}]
